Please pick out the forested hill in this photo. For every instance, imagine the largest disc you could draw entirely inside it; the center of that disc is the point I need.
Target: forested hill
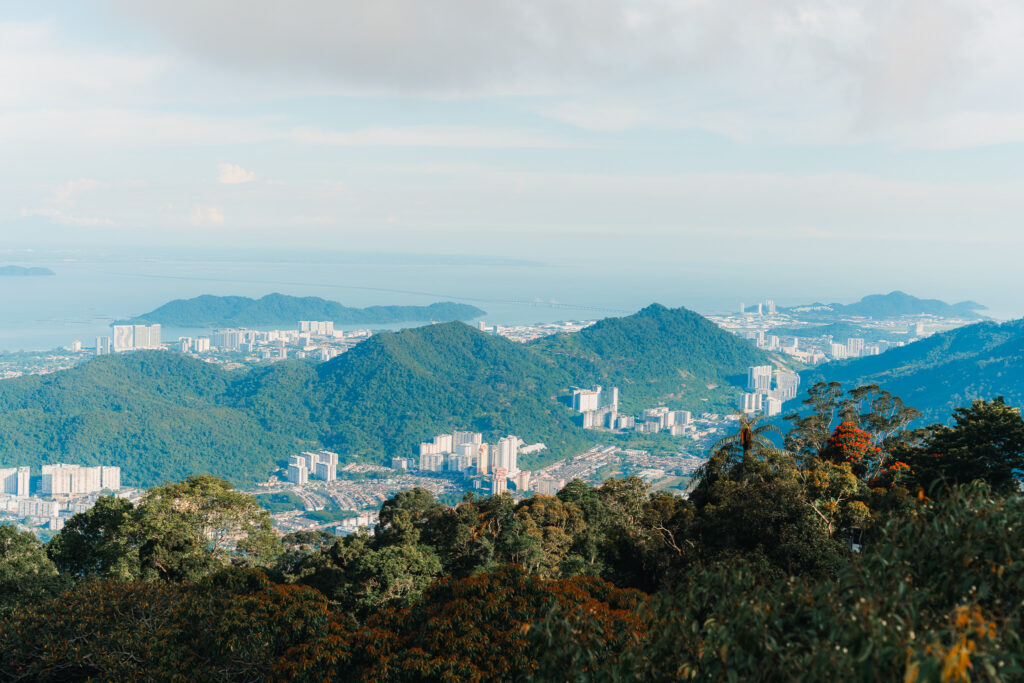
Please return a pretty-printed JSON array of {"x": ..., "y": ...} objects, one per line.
[
  {"x": 394, "y": 390},
  {"x": 944, "y": 371},
  {"x": 163, "y": 416},
  {"x": 658, "y": 355},
  {"x": 891, "y": 305},
  {"x": 160, "y": 416},
  {"x": 283, "y": 310}
]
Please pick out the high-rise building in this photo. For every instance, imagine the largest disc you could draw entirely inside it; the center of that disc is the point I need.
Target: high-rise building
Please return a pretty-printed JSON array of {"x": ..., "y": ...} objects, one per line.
[
  {"x": 743, "y": 308},
  {"x": 499, "y": 482},
  {"x": 110, "y": 478},
  {"x": 771, "y": 406},
  {"x": 76, "y": 346},
  {"x": 749, "y": 403},
  {"x": 759, "y": 378},
  {"x": 460, "y": 438},
  {"x": 14, "y": 481},
  {"x": 759, "y": 309},
  {"x": 854, "y": 347},
  {"x": 297, "y": 473},
  {"x": 62, "y": 479},
  {"x": 130, "y": 337},
  {"x": 505, "y": 454},
  {"x": 326, "y": 472},
  {"x": 787, "y": 384},
  {"x": 35, "y": 507},
  {"x": 201, "y": 344},
  {"x": 483, "y": 459},
  {"x": 586, "y": 399},
  {"x": 317, "y": 328},
  {"x": 228, "y": 340},
  {"x": 770, "y": 305},
  {"x": 102, "y": 346}
]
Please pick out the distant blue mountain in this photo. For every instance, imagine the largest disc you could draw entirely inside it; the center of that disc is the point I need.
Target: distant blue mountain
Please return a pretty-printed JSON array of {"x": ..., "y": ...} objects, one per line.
[
  {"x": 891, "y": 305},
  {"x": 280, "y": 309},
  {"x": 20, "y": 271}
]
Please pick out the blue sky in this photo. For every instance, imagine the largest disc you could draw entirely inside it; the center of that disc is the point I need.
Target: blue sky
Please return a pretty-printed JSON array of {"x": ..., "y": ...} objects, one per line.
[{"x": 880, "y": 139}]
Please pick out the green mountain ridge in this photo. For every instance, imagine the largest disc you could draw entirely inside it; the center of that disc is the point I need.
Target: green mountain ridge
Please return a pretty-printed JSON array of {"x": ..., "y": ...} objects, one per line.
[
  {"x": 632, "y": 353},
  {"x": 943, "y": 371},
  {"x": 163, "y": 416},
  {"x": 280, "y": 309}
]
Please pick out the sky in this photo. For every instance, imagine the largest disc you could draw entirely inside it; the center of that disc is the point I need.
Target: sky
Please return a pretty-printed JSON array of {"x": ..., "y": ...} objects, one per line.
[{"x": 842, "y": 141}]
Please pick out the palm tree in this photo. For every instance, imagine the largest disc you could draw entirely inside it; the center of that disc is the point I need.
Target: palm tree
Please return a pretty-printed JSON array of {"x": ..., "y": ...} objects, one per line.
[{"x": 749, "y": 436}]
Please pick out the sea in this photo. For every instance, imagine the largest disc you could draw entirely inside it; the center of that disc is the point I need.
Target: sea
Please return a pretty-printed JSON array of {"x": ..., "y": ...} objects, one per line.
[{"x": 92, "y": 286}]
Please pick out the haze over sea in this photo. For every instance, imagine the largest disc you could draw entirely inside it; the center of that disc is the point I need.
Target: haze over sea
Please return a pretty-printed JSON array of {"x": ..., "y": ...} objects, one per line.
[{"x": 95, "y": 286}]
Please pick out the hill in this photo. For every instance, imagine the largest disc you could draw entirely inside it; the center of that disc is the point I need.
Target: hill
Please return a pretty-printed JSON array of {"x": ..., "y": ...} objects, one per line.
[
  {"x": 283, "y": 310},
  {"x": 161, "y": 415},
  {"x": 943, "y": 371},
  {"x": 158, "y": 415},
  {"x": 891, "y": 305},
  {"x": 21, "y": 271},
  {"x": 658, "y": 355}
]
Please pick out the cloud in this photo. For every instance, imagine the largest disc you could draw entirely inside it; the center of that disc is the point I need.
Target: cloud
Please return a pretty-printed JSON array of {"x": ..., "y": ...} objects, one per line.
[
  {"x": 428, "y": 136},
  {"x": 63, "y": 194},
  {"x": 231, "y": 174},
  {"x": 65, "y": 218},
  {"x": 206, "y": 215},
  {"x": 794, "y": 70}
]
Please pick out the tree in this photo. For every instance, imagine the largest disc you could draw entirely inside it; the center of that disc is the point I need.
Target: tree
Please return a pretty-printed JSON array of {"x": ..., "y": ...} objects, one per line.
[
  {"x": 97, "y": 542},
  {"x": 750, "y": 436},
  {"x": 26, "y": 573},
  {"x": 479, "y": 628},
  {"x": 188, "y": 529},
  {"x": 986, "y": 444},
  {"x": 883, "y": 416}
]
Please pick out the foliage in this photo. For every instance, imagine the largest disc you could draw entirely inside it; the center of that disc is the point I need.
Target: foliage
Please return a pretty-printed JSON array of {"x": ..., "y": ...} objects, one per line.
[
  {"x": 186, "y": 528},
  {"x": 658, "y": 355},
  {"x": 986, "y": 444},
  {"x": 26, "y": 573},
  {"x": 232, "y": 626},
  {"x": 939, "y": 598},
  {"x": 178, "y": 532},
  {"x": 486, "y": 619},
  {"x": 97, "y": 542}
]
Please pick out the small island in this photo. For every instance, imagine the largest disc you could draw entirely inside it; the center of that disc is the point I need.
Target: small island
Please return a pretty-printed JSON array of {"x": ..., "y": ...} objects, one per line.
[
  {"x": 281, "y": 309},
  {"x": 21, "y": 271}
]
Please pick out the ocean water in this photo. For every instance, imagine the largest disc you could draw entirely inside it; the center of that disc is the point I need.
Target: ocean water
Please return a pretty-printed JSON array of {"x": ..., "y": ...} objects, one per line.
[{"x": 93, "y": 287}]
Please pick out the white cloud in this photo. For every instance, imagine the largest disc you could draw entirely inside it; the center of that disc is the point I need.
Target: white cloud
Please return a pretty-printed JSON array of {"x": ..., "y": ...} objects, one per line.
[
  {"x": 206, "y": 215},
  {"x": 65, "y": 218},
  {"x": 428, "y": 136},
  {"x": 232, "y": 174},
  {"x": 64, "y": 194},
  {"x": 792, "y": 70}
]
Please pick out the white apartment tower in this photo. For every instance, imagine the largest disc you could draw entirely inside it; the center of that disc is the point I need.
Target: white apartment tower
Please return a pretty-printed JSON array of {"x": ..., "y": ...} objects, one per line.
[
  {"x": 14, "y": 481},
  {"x": 759, "y": 378}
]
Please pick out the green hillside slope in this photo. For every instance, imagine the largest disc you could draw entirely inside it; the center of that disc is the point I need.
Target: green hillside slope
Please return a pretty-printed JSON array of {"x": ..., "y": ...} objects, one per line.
[
  {"x": 157, "y": 415},
  {"x": 944, "y": 371},
  {"x": 658, "y": 355}
]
